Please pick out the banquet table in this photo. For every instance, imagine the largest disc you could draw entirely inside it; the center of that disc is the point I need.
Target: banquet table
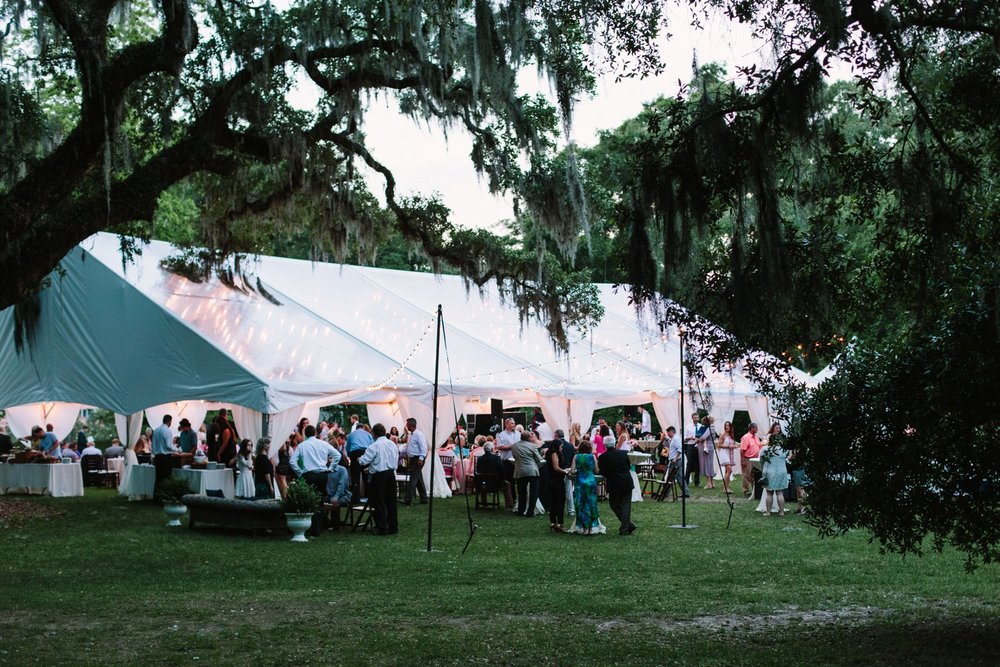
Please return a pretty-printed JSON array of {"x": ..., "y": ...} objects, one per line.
[
  {"x": 59, "y": 480},
  {"x": 140, "y": 483},
  {"x": 115, "y": 465},
  {"x": 636, "y": 458},
  {"x": 203, "y": 480}
]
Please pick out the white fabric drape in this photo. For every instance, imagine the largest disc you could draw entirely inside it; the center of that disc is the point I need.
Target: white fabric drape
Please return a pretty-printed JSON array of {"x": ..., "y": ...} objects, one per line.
[
  {"x": 757, "y": 407},
  {"x": 193, "y": 411},
  {"x": 129, "y": 427},
  {"x": 410, "y": 407},
  {"x": 441, "y": 488},
  {"x": 62, "y": 416},
  {"x": 282, "y": 424},
  {"x": 723, "y": 409},
  {"x": 581, "y": 411},
  {"x": 447, "y": 408},
  {"x": 386, "y": 414},
  {"x": 556, "y": 411},
  {"x": 249, "y": 423},
  {"x": 667, "y": 410}
]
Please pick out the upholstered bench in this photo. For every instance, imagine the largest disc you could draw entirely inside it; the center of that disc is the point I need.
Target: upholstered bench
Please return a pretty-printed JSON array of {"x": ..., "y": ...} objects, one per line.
[{"x": 251, "y": 515}]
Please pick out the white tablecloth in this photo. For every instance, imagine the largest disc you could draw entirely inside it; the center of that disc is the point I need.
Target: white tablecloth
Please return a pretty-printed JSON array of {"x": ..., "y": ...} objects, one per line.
[
  {"x": 139, "y": 483},
  {"x": 203, "y": 480},
  {"x": 60, "y": 480},
  {"x": 115, "y": 465},
  {"x": 636, "y": 488}
]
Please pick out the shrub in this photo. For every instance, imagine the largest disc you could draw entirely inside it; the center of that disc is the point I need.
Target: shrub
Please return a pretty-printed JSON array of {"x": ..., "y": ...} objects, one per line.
[{"x": 301, "y": 498}]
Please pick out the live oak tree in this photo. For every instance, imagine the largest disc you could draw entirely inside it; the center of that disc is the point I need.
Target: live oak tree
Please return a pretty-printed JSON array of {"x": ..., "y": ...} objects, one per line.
[
  {"x": 105, "y": 105},
  {"x": 795, "y": 213}
]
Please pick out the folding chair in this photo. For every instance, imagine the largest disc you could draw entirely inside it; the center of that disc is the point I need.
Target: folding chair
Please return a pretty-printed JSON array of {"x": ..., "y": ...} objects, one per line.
[
  {"x": 667, "y": 485},
  {"x": 360, "y": 515}
]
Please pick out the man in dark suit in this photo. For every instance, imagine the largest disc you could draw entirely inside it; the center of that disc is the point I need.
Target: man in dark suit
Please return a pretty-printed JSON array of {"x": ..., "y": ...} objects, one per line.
[
  {"x": 490, "y": 471},
  {"x": 614, "y": 465}
]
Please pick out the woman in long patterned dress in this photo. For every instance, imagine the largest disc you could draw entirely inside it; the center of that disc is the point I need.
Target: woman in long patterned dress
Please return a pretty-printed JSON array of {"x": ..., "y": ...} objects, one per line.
[
  {"x": 585, "y": 491},
  {"x": 706, "y": 451}
]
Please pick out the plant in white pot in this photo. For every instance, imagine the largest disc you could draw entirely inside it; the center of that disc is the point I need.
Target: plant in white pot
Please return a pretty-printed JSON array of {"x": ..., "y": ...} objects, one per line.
[
  {"x": 170, "y": 491},
  {"x": 300, "y": 503}
]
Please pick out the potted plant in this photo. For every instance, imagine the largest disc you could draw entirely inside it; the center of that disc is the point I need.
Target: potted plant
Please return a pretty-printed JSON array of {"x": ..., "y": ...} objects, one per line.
[
  {"x": 170, "y": 491},
  {"x": 300, "y": 503}
]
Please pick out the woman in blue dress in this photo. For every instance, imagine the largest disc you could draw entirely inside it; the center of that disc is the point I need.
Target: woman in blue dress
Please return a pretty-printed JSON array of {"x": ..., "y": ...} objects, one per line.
[
  {"x": 774, "y": 471},
  {"x": 585, "y": 490}
]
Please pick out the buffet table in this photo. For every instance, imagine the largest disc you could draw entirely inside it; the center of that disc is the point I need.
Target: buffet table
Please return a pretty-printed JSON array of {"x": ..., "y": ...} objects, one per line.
[
  {"x": 59, "y": 480},
  {"x": 203, "y": 480},
  {"x": 138, "y": 482},
  {"x": 637, "y": 458}
]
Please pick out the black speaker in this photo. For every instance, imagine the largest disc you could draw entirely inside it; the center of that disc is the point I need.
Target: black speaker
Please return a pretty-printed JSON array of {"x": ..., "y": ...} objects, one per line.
[
  {"x": 518, "y": 416},
  {"x": 496, "y": 408}
]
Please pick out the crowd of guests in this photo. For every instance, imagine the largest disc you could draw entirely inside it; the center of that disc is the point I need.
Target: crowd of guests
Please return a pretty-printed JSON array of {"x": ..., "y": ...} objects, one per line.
[{"x": 558, "y": 476}]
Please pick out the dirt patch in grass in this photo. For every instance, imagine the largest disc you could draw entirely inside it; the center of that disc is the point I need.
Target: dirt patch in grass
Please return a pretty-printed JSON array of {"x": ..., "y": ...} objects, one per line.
[
  {"x": 15, "y": 512},
  {"x": 760, "y": 622}
]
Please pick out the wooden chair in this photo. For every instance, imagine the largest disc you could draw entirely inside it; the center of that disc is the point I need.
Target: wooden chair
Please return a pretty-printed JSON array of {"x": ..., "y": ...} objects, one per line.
[
  {"x": 92, "y": 466},
  {"x": 488, "y": 491}
]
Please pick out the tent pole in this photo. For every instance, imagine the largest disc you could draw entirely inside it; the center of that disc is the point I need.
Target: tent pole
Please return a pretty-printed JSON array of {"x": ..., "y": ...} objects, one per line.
[
  {"x": 684, "y": 487},
  {"x": 434, "y": 413}
]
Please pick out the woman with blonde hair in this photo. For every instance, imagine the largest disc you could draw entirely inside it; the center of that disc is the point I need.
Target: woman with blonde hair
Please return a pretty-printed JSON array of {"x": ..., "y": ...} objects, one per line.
[
  {"x": 574, "y": 434},
  {"x": 726, "y": 445}
]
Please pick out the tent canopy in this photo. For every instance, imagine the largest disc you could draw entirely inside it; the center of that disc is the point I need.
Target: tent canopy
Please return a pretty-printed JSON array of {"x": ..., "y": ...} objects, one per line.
[{"x": 134, "y": 336}]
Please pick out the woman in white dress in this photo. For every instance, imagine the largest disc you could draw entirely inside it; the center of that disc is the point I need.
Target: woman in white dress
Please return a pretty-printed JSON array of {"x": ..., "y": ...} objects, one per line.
[
  {"x": 245, "y": 488},
  {"x": 726, "y": 446}
]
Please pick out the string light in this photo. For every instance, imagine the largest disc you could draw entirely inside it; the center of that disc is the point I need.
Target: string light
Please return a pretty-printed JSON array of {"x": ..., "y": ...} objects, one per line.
[{"x": 407, "y": 360}]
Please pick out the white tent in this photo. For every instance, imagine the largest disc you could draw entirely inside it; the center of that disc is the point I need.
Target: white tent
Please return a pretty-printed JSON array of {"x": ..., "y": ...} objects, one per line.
[{"x": 133, "y": 337}]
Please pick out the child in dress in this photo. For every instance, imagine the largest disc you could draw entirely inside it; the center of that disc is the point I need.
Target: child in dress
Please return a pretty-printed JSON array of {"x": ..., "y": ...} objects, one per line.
[{"x": 245, "y": 487}]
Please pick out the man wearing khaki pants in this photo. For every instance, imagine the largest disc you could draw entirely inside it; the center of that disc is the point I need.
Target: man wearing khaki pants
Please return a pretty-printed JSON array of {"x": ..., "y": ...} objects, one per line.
[{"x": 749, "y": 448}]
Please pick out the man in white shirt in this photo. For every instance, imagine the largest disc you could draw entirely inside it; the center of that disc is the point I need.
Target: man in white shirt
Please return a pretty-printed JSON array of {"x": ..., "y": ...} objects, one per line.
[
  {"x": 163, "y": 449},
  {"x": 312, "y": 462},
  {"x": 646, "y": 425},
  {"x": 675, "y": 454},
  {"x": 381, "y": 457},
  {"x": 355, "y": 423},
  {"x": 91, "y": 449},
  {"x": 505, "y": 441},
  {"x": 416, "y": 452}
]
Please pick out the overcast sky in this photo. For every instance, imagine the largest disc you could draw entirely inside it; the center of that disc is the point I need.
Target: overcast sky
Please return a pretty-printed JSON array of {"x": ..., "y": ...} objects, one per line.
[{"x": 424, "y": 161}]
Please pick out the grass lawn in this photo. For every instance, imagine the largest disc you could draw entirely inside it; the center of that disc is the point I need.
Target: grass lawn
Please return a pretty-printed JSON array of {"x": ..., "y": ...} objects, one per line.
[{"x": 107, "y": 582}]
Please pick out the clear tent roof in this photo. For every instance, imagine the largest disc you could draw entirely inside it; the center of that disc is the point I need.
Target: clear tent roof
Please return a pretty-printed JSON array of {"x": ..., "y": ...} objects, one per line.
[
  {"x": 349, "y": 334},
  {"x": 300, "y": 355}
]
